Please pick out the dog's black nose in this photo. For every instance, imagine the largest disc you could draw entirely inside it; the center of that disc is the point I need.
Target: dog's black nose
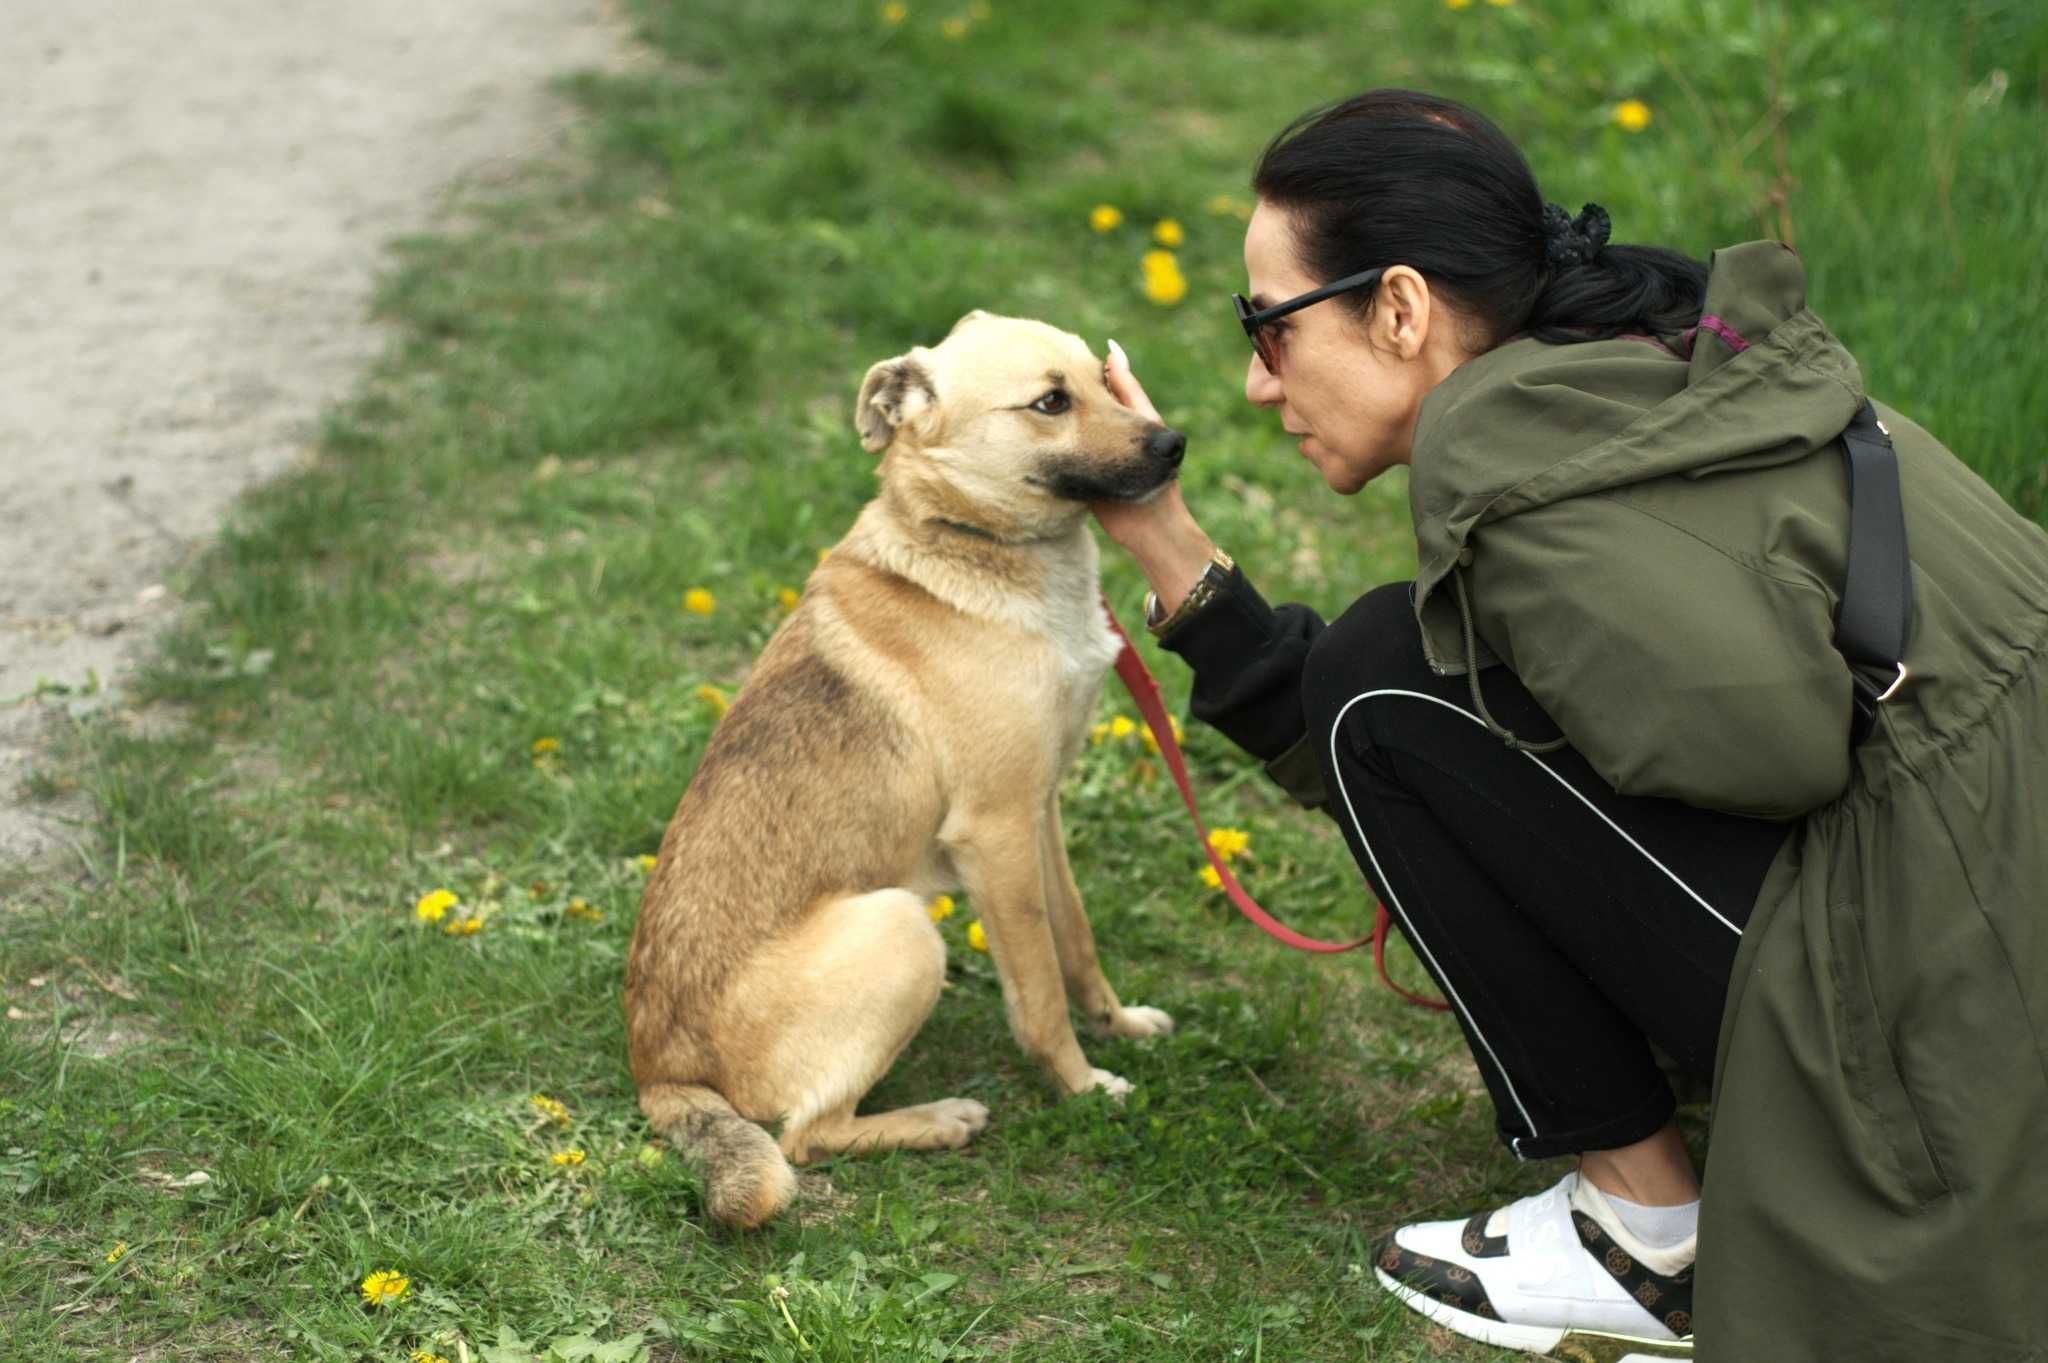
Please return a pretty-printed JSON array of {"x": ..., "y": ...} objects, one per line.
[{"x": 1167, "y": 447}]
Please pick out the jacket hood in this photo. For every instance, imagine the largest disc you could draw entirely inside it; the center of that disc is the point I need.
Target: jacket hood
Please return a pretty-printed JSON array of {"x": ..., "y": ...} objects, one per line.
[{"x": 1760, "y": 381}]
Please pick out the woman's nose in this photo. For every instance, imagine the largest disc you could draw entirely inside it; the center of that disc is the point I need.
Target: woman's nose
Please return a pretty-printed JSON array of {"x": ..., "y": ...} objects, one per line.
[{"x": 1261, "y": 389}]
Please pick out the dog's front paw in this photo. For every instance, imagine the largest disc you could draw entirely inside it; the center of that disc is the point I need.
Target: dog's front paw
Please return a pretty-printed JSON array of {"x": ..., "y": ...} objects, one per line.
[
  {"x": 960, "y": 1117},
  {"x": 1115, "y": 1085},
  {"x": 1139, "y": 1022}
]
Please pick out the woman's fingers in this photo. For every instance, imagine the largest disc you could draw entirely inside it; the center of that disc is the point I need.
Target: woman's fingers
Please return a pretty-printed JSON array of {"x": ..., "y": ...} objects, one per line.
[{"x": 1124, "y": 385}]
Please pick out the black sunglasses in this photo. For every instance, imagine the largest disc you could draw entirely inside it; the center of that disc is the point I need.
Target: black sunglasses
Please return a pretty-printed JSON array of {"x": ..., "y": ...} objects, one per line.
[{"x": 1254, "y": 320}]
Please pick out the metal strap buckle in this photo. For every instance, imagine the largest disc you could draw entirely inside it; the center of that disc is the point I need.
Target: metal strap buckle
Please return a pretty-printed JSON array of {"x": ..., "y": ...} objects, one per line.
[{"x": 1893, "y": 689}]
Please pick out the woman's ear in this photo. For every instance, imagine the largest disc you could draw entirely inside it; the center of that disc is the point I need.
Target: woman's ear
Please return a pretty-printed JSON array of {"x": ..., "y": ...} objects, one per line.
[
  {"x": 1404, "y": 311},
  {"x": 895, "y": 393}
]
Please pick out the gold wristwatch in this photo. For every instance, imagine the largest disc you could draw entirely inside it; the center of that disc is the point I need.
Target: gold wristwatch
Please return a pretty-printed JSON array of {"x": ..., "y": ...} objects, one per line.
[{"x": 1221, "y": 565}]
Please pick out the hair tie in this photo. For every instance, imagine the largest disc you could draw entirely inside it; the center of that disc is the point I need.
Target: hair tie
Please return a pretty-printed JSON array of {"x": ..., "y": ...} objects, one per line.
[{"x": 1569, "y": 241}]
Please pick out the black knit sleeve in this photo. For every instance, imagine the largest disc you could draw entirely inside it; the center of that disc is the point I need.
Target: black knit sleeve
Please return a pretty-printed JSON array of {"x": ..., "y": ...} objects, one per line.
[{"x": 1248, "y": 659}]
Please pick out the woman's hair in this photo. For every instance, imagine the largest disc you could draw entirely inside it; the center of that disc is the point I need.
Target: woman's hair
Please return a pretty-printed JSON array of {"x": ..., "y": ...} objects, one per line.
[{"x": 1395, "y": 177}]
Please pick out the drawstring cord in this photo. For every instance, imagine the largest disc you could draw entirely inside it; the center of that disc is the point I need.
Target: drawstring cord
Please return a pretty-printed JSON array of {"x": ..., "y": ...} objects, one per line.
[{"x": 1472, "y": 677}]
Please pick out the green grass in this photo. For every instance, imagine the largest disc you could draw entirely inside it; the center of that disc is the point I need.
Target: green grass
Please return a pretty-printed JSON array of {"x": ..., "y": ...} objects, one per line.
[{"x": 634, "y": 376}]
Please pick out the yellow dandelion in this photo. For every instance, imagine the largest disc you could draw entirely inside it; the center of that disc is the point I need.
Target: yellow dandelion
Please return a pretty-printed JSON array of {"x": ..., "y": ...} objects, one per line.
[
  {"x": 1122, "y": 727},
  {"x": 976, "y": 936},
  {"x": 567, "y": 1159},
  {"x": 645, "y": 861},
  {"x": 385, "y": 1287},
  {"x": 715, "y": 698},
  {"x": 1229, "y": 843},
  {"x": 463, "y": 927},
  {"x": 422, "y": 1356},
  {"x": 551, "y": 1108},
  {"x": 1633, "y": 115},
  {"x": 579, "y": 908},
  {"x": 543, "y": 746},
  {"x": 895, "y": 12},
  {"x": 1105, "y": 218},
  {"x": 649, "y": 1157},
  {"x": 1229, "y": 206},
  {"x": 941, "y": 908},
  {"x": 1151, "y": 741},
  {"x": 1099, "y": 733},
  {"x": 1166, "y": 290},
  {"x": 1210, "y": 878},
  {"x": 1167, "y": 232},
  {"x": 1164, "y": 283},
  {"x": 955, "y": 28},
  {"x": 115, "y": 1254},
  {"x": 786, "y": 598},
  {"x": 434, "y": 906},
  {"x": 1457, "y": 4},
  {"x": 698, "y": 601}
]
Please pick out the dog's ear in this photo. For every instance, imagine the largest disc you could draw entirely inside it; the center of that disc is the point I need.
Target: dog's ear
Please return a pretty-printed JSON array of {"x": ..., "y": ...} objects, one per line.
[
  {"x": 966, "y": 318},
  {"x": 895, "y": 393}
]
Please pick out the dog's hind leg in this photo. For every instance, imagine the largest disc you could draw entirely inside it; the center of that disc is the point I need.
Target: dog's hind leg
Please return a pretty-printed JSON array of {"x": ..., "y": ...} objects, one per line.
[{"x": 831, "y": 1007}]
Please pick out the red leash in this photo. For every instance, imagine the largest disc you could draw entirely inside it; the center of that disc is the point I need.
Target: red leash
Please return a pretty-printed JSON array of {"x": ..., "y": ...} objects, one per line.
[{"x": 1130, "y": 668}]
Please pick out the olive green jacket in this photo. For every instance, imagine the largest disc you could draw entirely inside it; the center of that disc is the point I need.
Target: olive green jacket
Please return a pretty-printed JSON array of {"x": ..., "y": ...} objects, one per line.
[{"x": 1653, "y": 539}]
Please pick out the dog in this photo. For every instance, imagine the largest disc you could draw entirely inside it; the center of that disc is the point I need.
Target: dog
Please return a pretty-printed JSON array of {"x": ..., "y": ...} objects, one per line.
[{"x": 902, "y": 735}]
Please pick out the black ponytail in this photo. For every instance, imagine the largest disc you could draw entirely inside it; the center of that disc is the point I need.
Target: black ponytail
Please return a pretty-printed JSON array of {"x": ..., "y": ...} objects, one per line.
[{"x": 1396, "y": 177}]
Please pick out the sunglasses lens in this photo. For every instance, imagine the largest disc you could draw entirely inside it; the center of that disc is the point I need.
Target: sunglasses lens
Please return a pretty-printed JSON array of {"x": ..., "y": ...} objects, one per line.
[{"x": 1261, "y": 346}]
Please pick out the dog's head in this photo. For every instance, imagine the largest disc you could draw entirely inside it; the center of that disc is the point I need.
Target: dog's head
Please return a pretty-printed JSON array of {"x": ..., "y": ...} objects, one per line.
[{"x": 1007, "y": 424}]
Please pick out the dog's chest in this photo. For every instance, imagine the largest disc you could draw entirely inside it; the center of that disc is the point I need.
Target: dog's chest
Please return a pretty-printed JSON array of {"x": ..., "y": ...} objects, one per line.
[
  {"x": 1079, "y": 630},
  {"x": 1076, "y": 622}
]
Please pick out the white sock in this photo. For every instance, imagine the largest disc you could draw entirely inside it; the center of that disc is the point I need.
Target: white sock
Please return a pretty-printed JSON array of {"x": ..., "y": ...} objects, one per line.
[{"x": 1658, "y": 1227}]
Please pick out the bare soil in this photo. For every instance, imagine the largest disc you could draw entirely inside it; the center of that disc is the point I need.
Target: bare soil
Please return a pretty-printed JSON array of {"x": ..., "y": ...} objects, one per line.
[{"x": 194, "y": 197}]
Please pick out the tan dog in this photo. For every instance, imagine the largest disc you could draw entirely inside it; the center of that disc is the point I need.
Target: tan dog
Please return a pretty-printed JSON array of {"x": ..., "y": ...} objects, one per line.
[{"x": 903, "y": 734}]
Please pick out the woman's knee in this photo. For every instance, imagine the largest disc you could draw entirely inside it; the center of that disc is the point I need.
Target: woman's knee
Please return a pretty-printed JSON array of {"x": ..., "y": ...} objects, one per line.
[{"x": 1376, "y": 643}]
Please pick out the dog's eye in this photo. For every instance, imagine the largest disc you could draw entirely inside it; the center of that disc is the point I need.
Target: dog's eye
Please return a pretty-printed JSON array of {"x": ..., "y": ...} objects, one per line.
[{"x": 1053, "y": 403}]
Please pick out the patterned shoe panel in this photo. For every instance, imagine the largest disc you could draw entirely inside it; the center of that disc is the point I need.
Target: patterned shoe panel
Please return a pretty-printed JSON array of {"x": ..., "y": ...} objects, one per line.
[
  {"x": 1441, "y": 1280},
  {"x": 1476, "y": 1242},
  {"x": 1669, "y": 1299}
]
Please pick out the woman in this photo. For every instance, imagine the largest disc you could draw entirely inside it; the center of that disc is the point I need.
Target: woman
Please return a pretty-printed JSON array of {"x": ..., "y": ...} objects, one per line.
[{"x": 1597, "y": 760}]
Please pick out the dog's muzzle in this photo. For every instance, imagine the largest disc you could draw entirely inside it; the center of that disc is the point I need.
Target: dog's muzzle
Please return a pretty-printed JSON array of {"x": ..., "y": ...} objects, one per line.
[{"x": 1168, "y": 447}]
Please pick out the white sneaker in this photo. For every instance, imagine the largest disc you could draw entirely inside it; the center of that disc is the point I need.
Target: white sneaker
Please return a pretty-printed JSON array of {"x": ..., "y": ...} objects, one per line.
[{"x": 1544, "y": 1276}]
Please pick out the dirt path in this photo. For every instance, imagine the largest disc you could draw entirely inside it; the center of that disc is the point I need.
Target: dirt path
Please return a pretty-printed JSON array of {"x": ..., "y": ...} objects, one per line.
[{"x": 193, "y": 198}]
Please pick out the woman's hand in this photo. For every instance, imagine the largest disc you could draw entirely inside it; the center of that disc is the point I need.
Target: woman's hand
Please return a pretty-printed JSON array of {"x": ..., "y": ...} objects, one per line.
[
  {"x": 1124, "y": 385},
  {"x": 1159, "y": 532}
]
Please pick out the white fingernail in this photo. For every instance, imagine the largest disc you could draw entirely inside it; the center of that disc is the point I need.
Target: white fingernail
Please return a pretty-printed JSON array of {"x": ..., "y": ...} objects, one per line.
[{"x": 1116, "y": 353}]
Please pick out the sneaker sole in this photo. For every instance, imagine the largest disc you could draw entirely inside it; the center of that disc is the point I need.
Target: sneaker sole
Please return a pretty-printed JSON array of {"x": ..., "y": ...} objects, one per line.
[{"x": 1551, "y": 1341}]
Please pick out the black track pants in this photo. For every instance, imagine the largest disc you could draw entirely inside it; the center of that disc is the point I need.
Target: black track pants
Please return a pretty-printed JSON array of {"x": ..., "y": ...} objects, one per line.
[{"x": 1568, "y": 926}]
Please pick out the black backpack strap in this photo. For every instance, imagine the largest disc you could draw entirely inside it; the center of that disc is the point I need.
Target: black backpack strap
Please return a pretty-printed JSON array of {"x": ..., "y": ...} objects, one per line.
[{"x": 1876, "y": 615}]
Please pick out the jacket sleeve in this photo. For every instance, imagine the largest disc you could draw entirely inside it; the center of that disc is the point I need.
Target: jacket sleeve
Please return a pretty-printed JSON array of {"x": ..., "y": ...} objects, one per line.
[
  {"x": 1676, "y": 668},
  {"x": 1248, "y": 658}
]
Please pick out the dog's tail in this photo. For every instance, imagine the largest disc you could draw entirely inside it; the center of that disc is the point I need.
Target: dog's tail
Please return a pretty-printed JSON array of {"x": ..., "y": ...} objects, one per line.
[{"x": 746, "y": 1178}]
